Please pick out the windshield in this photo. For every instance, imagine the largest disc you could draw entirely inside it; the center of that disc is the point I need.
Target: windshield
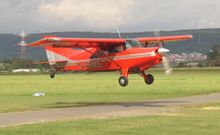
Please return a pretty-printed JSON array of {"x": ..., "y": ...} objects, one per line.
[{"x": 132, "y": 44}]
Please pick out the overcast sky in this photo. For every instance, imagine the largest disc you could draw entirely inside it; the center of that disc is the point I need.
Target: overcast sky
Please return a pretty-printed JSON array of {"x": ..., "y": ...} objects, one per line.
[{"x": 36, "y": 16}]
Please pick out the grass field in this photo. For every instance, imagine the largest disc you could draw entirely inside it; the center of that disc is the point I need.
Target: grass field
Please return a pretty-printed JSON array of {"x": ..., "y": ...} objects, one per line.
[
  {"x": 200, "y": 120},
  {"x": 69, "y": 90}
]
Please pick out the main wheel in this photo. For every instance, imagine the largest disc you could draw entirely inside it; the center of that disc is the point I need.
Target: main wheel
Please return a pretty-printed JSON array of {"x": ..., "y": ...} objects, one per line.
[
  {"x": 123, "y": 81},
  {"x": 149, "y": 79},
  {"x": 52, "y": 73}
]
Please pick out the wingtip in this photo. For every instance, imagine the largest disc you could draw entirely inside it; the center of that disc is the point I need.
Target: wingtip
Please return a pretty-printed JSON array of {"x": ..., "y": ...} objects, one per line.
[{"x": 190, "y": 36}]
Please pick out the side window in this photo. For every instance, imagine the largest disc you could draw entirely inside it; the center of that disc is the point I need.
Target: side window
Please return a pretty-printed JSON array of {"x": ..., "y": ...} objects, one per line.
[
  {"x": 127, "y": 45},
  {"x": 116, "y": 48},
  {"x": 94, "y": 56}
]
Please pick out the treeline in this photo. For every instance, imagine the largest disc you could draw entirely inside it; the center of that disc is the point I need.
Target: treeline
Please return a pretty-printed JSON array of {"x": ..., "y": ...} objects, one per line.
[
  {"x": 213, "y": 59},
  {"x": 17, "y": 63},
  {"x": 214, "y": 56}
]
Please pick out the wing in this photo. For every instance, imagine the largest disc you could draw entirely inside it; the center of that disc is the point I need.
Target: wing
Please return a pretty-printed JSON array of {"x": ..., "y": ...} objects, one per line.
[
  {"x": 164, "y": 38},
  {"x": 76, "y": 42},
  {"x": 99, "y": 42}
]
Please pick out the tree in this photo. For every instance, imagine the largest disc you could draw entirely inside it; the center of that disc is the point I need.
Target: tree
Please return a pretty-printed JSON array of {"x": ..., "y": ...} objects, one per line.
[
  {"x": 214, "y": 56},
  {"x": 2, "y": 67}
]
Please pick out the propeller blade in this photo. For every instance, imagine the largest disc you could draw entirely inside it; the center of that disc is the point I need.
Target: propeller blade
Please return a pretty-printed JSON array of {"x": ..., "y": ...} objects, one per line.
[
  {"x": 23, "y": 36},
  {"x": 166, "y": 66},
  {"x": 157, "y": 33},
  {"x": 22, "y": 44}
]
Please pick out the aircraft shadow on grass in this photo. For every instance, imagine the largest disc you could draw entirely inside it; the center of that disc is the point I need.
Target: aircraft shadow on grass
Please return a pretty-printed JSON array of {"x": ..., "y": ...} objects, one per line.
[{"x": 123, "y": 104}]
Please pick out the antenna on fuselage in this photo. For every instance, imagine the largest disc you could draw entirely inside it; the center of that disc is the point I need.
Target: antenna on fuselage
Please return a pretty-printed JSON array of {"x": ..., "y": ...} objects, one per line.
[{"x": 118, "y": 31}]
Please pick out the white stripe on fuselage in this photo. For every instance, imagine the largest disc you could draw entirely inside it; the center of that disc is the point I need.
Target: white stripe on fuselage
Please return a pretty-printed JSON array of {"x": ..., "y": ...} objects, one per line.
[{"x": 133, "y": 56}]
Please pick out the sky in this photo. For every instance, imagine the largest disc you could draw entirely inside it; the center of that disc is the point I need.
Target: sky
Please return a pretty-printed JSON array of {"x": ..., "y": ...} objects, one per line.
[{"x": 38, "y": 16}]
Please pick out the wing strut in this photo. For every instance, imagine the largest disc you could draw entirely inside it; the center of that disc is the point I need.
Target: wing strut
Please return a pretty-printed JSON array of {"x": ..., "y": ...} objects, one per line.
[{"x": 103, "y": 54}]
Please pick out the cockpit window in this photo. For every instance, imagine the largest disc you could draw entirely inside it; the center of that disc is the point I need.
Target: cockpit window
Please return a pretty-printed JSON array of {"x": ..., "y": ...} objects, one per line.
[
  {"x": 116, "y": 48},
  {"x": 132, "y": 44}
]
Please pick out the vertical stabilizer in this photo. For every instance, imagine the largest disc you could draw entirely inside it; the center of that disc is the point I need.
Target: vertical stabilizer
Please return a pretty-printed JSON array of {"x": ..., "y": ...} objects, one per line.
[
  {"x": 58, "y": 55},
  {"x": 50, "y": 57}
]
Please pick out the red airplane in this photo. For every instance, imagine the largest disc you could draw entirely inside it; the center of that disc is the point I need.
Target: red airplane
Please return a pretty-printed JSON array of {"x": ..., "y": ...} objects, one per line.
[{"x": 107, "y": 54}]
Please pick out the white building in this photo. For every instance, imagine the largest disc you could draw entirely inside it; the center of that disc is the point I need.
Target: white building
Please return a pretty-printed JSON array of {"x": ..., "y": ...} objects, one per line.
[{"x": 25, "y": 70}]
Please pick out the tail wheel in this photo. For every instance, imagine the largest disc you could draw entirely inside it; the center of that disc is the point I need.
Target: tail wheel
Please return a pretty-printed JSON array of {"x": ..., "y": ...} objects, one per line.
[
  {"x": 123, "y": 81},
  {"x": 52, "y": 74},
  {"x": 149, "y": 79}
]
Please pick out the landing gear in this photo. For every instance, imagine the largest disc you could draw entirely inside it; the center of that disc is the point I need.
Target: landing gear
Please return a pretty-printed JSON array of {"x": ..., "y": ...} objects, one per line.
[
  {"x": 149, "y": 79},
  {"x": 123, "y": 81},
  {"x": 52, "y": 74}
]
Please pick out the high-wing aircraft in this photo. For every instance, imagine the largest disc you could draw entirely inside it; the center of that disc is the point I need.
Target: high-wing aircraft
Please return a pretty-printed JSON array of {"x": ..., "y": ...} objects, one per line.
[{"x": 107, "y": 54}]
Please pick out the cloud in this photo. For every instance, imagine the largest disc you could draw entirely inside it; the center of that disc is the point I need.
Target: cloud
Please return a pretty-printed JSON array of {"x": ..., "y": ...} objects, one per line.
[
  {"x": 104, "y": 15},
  {"x": 93, "y": 13}
]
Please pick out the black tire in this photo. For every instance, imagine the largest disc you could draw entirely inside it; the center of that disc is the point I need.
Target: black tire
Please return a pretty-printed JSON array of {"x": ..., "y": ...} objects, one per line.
[
  {"x": 149, "y": 79},
  {"x": 52, "y": 75},
  {"x": 123, "y": 81}
]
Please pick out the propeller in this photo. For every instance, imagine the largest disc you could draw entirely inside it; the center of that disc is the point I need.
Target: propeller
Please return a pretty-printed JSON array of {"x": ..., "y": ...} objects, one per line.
[
  {"x": 22, "y": 44},
  {"x": 166, "y": 64},
  {"x": 23, "y": 35},
  {"x": 163, "y": 52}
]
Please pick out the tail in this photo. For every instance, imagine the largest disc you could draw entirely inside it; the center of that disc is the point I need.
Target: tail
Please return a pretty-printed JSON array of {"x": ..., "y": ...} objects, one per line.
[
  {"x": 54, "y": 56},
  {"x": 60, "y": 56}
]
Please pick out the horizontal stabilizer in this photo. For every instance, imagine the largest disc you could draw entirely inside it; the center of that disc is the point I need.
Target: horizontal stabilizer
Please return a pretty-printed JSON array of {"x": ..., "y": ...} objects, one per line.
[{"x": 55, "y": 63}]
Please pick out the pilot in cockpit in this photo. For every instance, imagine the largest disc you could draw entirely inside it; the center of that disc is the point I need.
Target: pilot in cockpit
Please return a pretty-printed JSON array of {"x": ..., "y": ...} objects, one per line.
[{"x": 116, "y": 48}]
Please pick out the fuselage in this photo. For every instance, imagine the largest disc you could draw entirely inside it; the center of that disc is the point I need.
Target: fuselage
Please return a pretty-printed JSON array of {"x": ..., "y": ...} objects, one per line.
[{"x": 142, "y": 58}]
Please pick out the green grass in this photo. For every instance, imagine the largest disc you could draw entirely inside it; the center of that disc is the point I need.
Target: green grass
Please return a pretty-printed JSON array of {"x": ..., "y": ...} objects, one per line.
[
  {"x": 69, "y": 90},
  {"x": 194, "y": 121}
]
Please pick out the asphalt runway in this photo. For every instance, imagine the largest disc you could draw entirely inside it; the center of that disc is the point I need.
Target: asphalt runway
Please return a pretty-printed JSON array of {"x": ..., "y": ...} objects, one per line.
[{"x": 154, "y": 107}]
